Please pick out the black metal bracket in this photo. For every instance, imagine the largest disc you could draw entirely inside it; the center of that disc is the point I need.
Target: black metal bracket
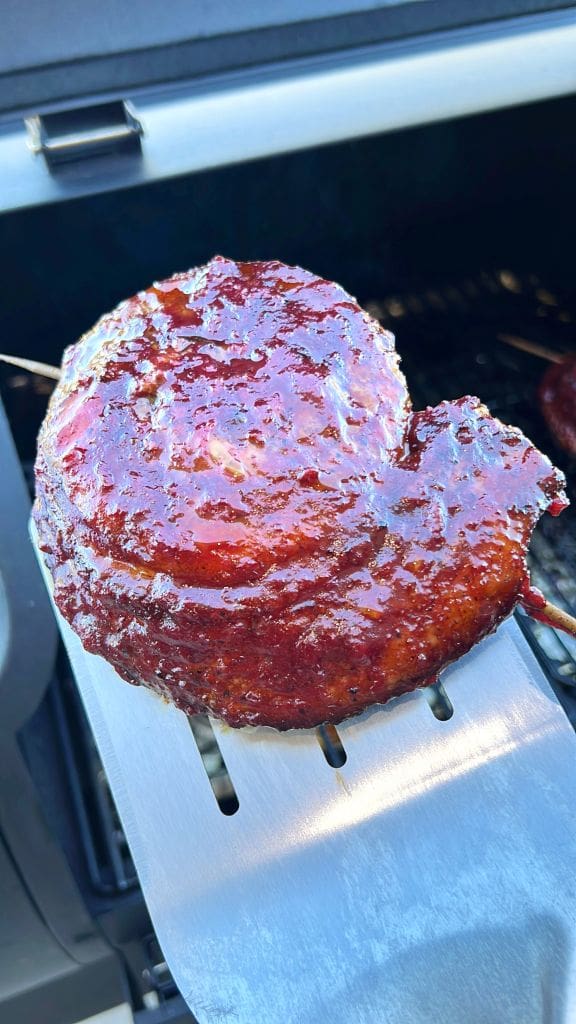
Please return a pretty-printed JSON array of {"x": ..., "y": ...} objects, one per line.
[{"x": 84, "y": 132}]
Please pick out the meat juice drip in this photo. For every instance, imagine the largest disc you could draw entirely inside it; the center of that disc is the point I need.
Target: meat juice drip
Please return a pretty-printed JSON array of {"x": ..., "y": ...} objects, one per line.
[
  {"x": 534, "y": 604},
  {"x": 243, "y": 512}
]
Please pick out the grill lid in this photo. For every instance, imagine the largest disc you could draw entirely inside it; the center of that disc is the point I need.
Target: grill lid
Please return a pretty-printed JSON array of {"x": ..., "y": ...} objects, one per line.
[{"x": 52, "y": 54}]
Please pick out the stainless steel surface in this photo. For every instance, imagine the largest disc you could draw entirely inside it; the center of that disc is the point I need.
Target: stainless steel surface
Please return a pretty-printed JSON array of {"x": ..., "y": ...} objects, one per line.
[
  {"x": 312, "y": 102},
  {"x": 4, "y": 625},
  {"x": 429, "y": 879},
  {"x": 79, "y": 29}
]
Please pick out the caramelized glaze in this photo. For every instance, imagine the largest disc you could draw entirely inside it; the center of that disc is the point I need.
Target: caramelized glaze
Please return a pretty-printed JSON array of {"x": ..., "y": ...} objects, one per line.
[{"x": 241, "y": 510}]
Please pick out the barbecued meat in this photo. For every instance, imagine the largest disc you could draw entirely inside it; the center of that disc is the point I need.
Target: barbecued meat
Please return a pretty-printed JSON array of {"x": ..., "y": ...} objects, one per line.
[
  {"x": 558, "y": 402},
  {"x": 240, "y": 510}
]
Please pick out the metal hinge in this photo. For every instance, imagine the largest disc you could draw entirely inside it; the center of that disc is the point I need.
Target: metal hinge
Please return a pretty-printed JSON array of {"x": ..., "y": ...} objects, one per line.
[{"x": 85, "y": 132}]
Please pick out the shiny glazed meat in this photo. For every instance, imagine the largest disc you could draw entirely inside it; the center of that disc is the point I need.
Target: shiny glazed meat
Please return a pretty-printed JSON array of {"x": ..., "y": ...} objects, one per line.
[
  {"x": 240, "y": 510},
  {"x": 558, "y": 402}
]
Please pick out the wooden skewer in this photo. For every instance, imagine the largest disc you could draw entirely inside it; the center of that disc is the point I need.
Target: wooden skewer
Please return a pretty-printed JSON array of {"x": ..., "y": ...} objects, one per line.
[
  {"x": 559, "y": 618},
  {"x": 533, "y": 602},
  {"x": 532, "y": 347},
  {"x": 44, "y": 369}
]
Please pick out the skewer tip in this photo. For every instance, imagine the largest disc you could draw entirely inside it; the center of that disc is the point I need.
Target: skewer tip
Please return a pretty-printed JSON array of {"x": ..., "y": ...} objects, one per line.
[
  {"x": 43, "y": 369},
  {"x": 532, "y": 347}
]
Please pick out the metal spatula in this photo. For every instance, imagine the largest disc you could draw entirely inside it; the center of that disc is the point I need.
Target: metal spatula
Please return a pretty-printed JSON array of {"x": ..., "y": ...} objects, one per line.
[{"x": 429, "y": 879}]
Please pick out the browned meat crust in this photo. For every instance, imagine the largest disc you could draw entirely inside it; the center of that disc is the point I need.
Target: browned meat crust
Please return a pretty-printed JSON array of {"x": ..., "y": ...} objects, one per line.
[{"x": 241, "y": 511}]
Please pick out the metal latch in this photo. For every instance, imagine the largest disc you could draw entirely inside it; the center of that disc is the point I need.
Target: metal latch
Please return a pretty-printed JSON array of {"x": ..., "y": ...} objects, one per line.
[{"x": 85, "y": 132}]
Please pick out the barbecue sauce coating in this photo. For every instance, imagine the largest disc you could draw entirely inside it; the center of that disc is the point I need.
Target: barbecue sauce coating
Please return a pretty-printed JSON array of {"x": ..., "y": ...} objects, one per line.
[
  {"x": 557, "y": 395},
  {"x": 241, "y": 511}
]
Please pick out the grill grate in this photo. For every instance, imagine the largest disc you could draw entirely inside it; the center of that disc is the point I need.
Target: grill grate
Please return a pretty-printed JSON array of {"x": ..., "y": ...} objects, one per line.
[
  {"x": 449, "y": 346},
  {"x": 106, "y": 851}
]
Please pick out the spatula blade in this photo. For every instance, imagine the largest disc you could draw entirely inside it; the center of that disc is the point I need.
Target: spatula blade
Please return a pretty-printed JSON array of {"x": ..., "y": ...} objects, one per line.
[{"x": 428, "y": 879}]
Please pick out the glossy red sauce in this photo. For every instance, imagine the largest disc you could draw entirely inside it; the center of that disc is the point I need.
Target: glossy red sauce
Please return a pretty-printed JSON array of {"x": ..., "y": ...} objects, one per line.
[
  {"x": 536, "y": 606},
  {"x": 240, "y": 509}
]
